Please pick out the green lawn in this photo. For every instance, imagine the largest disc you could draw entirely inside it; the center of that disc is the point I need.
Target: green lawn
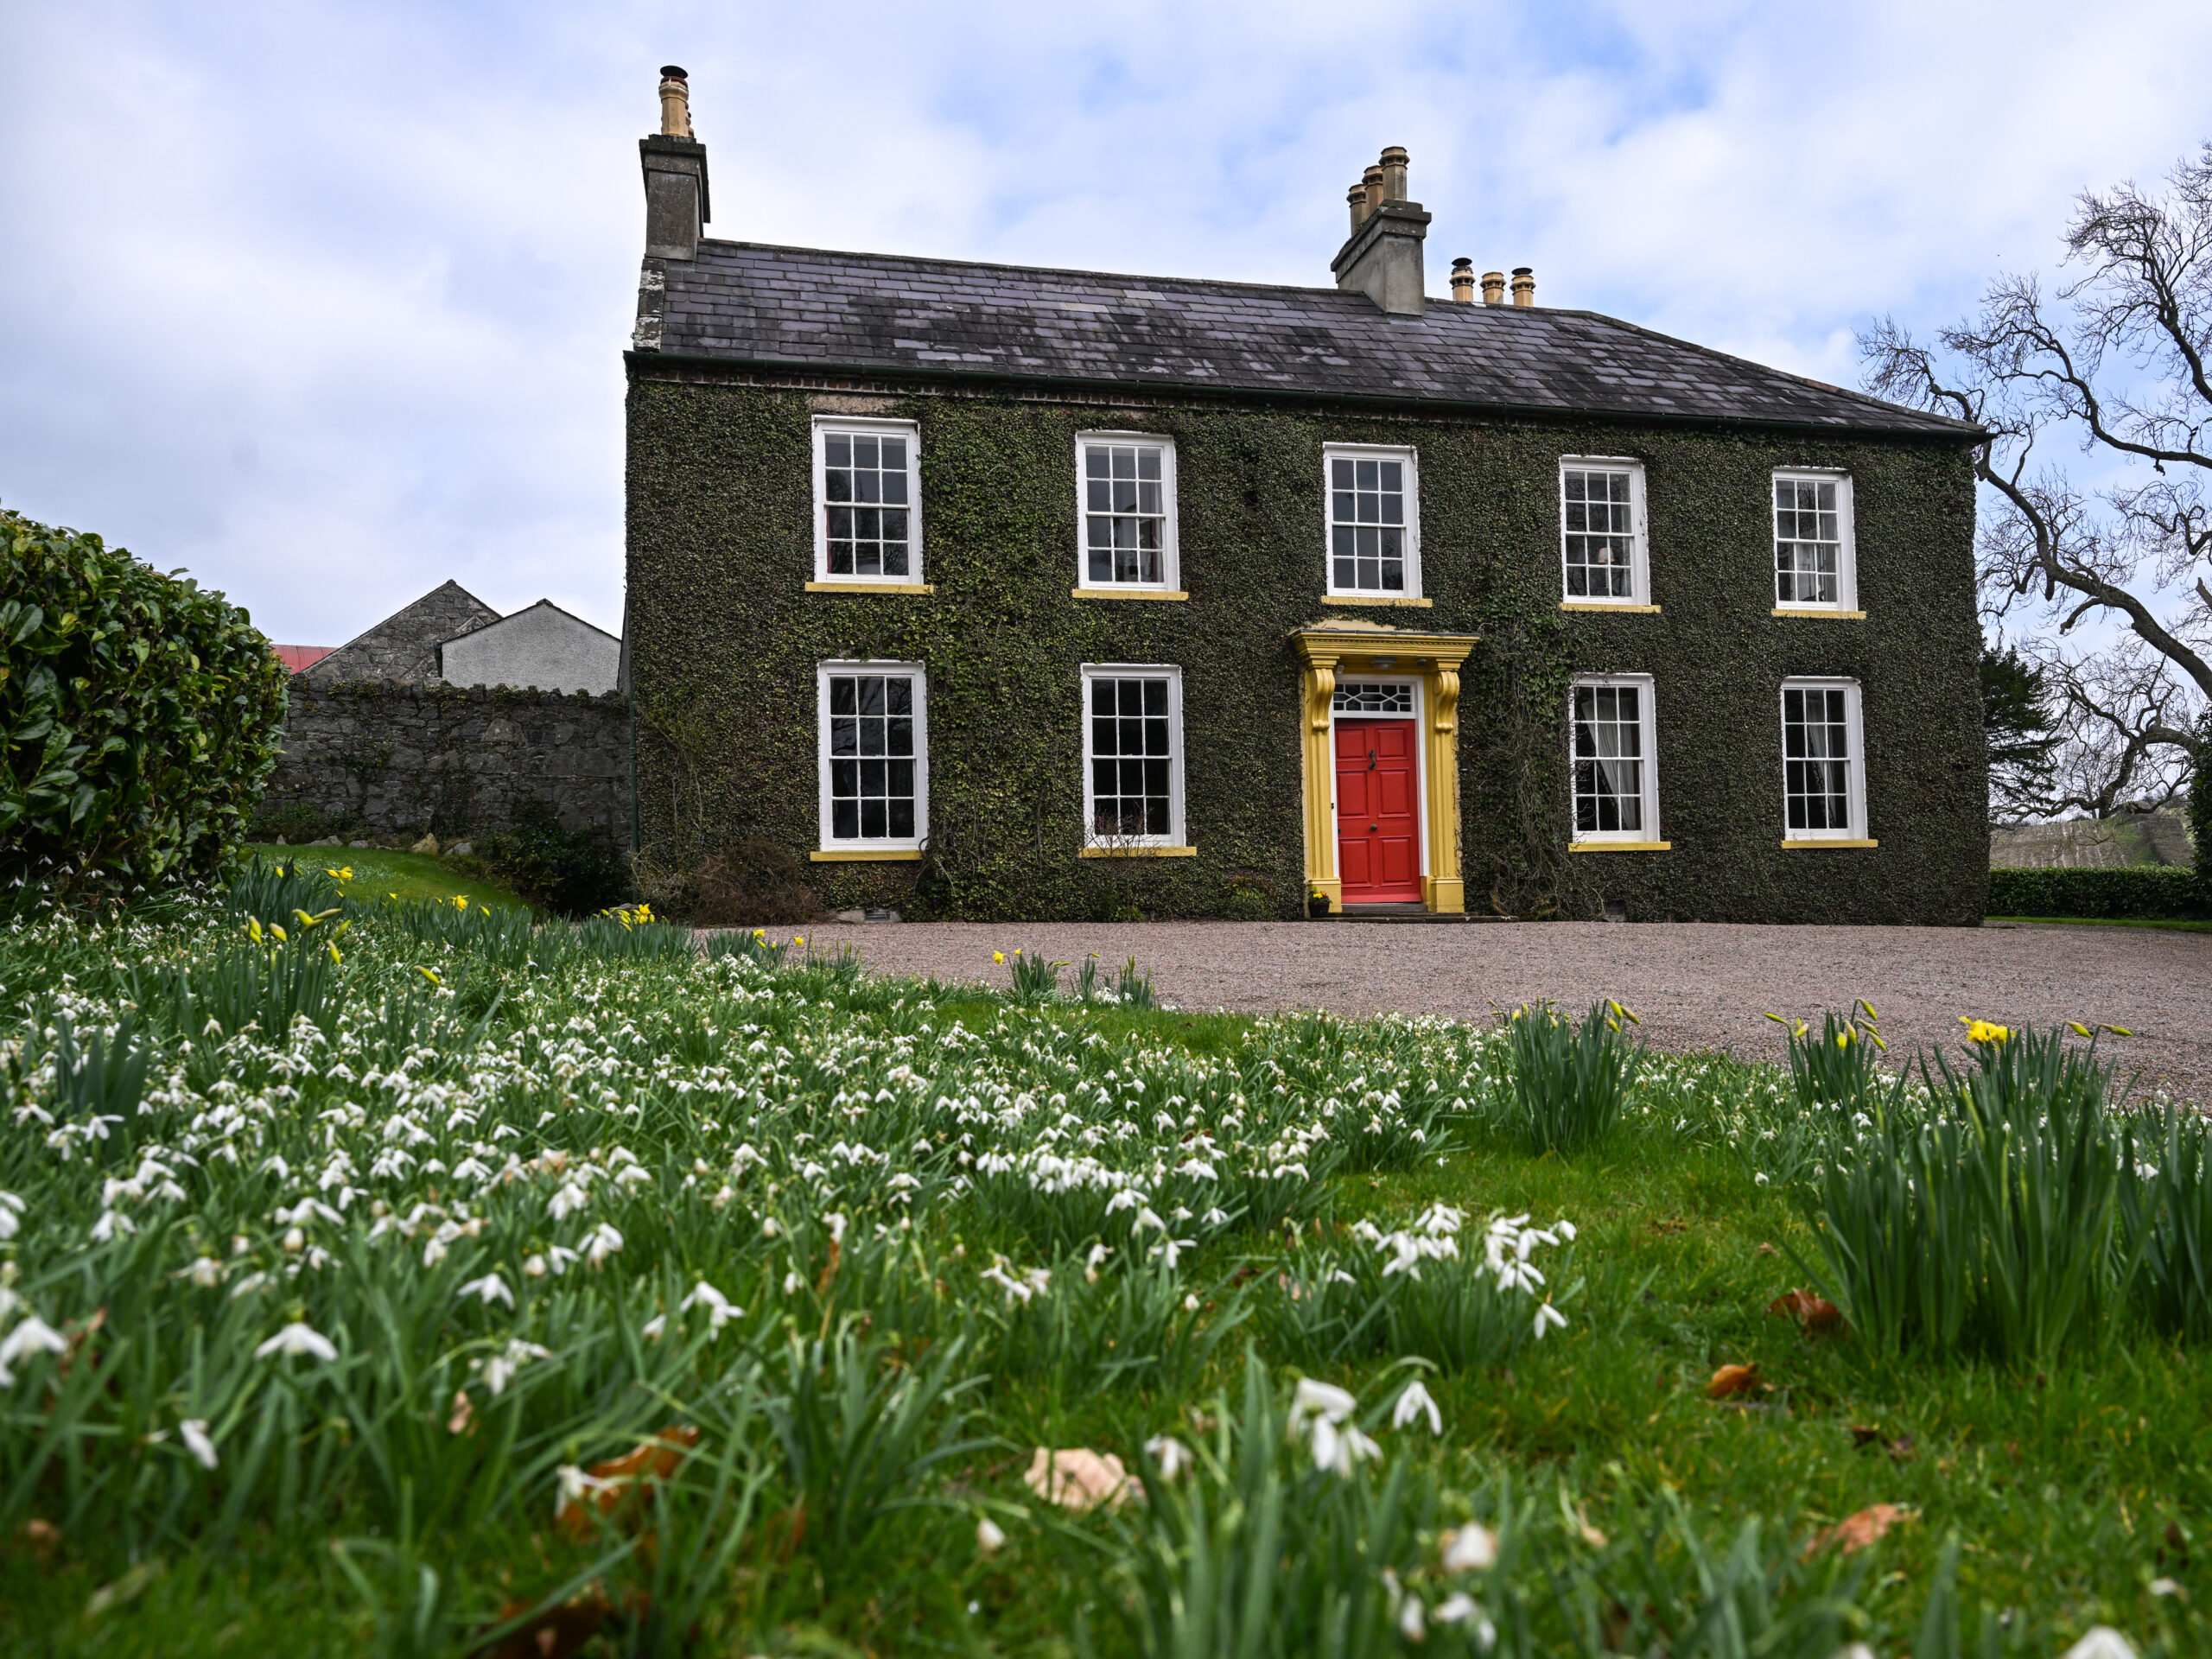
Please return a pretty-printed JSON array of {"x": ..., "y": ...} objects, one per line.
[
  {"x": 493, "y": 1167},
  {"x": 2175, "y": 923},
  {"x": 379, "y": 875}
]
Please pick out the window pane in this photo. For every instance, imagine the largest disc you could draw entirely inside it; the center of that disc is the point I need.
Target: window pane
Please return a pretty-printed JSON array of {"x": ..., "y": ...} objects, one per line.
[
  {"x": 1607, "y": 745},
  {"x": 1131, "y": 752},
  {"x": 1129, "y": 512},
  {"x": 873, "y": 536},
  {"x": 1816, "y": 768}
]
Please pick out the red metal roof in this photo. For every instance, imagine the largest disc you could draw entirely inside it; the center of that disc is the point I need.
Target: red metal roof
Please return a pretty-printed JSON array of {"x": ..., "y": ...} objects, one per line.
[{"x": 297, "y": 657}]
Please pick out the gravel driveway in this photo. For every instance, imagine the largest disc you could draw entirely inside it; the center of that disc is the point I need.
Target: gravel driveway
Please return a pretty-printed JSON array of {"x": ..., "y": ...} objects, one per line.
[{"x": 1698, "y": 985}]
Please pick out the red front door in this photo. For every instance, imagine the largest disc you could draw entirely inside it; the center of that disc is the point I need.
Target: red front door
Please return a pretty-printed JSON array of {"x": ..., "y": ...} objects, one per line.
[{"x": 1378, "y": 840}]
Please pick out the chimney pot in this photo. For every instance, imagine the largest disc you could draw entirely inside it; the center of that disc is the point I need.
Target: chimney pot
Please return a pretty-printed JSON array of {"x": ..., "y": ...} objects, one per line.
[
  {"x": 1357, "y": 199},
  {"x": 1372, "y": 179},
  {"x": 1524, "y": 285},
  {"x": 1393, "y": 168},
  {"x": 1463, "y": 281},
  {"x": 675, "y": 102},
  {"x": 1493, "y": 288}
]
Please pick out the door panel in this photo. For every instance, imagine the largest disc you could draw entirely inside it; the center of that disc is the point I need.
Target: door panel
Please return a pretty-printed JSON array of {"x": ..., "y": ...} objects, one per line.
[{"x": 1378, "y": 835}]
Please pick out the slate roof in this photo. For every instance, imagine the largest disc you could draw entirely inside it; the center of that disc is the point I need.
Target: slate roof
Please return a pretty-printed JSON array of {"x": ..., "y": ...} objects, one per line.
[{"x": 807, "y": 308}]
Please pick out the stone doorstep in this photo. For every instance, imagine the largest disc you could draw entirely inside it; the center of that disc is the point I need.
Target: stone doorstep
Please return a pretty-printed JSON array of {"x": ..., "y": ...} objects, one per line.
[
  {"x": 1402, "y": 913},
  {"x": 859, "y": 918}
]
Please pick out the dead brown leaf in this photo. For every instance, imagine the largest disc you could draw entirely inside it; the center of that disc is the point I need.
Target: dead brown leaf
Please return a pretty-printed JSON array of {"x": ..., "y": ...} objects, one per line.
[
  {"x": 1767, "y": 1249},
  {"x": 1731, "y": 1380},
  {"x": 1856, "y": 1532},
  {"x": 1902, "y": 1450},
  {"x": 463, "y": 1421},
  {"x": 1819, "y": 1316},
  {"x": 1076, "y": 1477},
  {"x": 1864, "y": 1435}
]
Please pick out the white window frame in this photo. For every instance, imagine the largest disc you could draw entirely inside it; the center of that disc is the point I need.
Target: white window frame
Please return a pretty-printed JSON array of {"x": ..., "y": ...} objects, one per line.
[
  {"x": 832, "y": 844},
  {"x": 1175, "y": 835},
  {"x": 1639, "y": 592},
  {"x": 867, "y": 426},
  {"x": 1331, "y": 453},
  {"x": 1647, "y": 742},
  {"x": 1855, "y": 777},
  {"x": 1847, "y": 556},
  {"x": 1170, "y": 566}
]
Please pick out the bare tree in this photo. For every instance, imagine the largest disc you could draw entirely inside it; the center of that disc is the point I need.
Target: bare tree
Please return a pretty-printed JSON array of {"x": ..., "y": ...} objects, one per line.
[{"x": 2117, "y": 363}]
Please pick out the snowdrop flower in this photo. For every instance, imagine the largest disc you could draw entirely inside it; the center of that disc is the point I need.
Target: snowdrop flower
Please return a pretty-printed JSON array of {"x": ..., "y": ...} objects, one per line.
[
  {"x": 12, "y": 1208},
  {"x": 575, "y": 1486},
  {"x": 1146, "y": 1219},
  {"x": 500, "y": 1368},
  {"x": 1190, "y": 1300},
  {"x": 654, "y": 1326},
  {"x": 793, "y": 1282},
  {"x": 1170, "y": 1453},
  {"x": 194, "y": 1432},
  {"x": 1461, "y": 1608},
  {"x": 206, "y": 1272},
  {"x": 566, "y": 1202},
  {"x": 1547, "y": 1315},
  {"x": 600, "y": 1244},
  {"x": 491, "y": 1287},
  {"x": 1324, "y": 1399},
  {"x": 719, "y": 1312},
  {"x": 33, "y": 1336},
  {"x": 836, "y": 1225},
  {"x": 1414, "y": 1404},
  {"x": 1172, "y": 1248},
  {"x": 1338, "y": 1449},
  {"x": 1472, "y": 1549},
  {"x": 989, "y": 1537},
  {"x": 1215, "y": 1217},
  {"x": 298, "y": 1338},
  {"x": 1412, "y": 1622}
]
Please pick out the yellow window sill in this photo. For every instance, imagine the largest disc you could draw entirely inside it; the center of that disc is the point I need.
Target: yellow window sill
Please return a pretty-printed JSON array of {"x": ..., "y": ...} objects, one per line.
[
  {"x": 1814, "y": 843},
  {"x": 1620, "y": 847},
  {"x": 868, "y": 855},
  {"x": 1378, "y": 598},
  {"x": 1815, "y": 610},
  {"x": 871, "y": 587},
  {"x": 1127, "y": 593},
  {"x": 1601, "y": 605},
  {"x": 1138, "y": 852}
]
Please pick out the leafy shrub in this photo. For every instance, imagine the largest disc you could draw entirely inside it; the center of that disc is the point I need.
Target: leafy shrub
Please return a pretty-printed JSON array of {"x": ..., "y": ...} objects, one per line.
[
  {"x": 2130, "y": 892},
  {"x": 1570, "y": 1087},
  {"x": 754, "y": 883},
  {"x": 1250, "y": 899},
  {"x": 298, "y": 822},
  {"x": 140, "y": 717},
  {"x": 573, "y": 872}
]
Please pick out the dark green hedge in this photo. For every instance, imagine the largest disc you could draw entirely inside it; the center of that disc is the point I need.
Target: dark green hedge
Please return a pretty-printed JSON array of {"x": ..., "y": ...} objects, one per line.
[
  {"x": 2130, "y": 892},
  {"x": 724, "y": 639},
  {"x": 138, "y": 719}
]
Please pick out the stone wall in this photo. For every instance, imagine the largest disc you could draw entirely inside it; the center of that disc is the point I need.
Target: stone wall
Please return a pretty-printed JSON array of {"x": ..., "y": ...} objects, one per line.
[
  {"x": 2095, "y": 843},
  {"x": 453, "y": 760},
  {"x": 404, "y": 645}
]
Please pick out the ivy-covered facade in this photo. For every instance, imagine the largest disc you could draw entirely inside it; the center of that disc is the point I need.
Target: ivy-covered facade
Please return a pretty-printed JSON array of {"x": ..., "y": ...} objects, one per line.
[{"x": 1620, "y": 741}]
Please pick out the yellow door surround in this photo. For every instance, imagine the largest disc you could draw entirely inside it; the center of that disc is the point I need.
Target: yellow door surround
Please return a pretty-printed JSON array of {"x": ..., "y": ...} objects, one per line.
[{"x": 1354, "y": 646}]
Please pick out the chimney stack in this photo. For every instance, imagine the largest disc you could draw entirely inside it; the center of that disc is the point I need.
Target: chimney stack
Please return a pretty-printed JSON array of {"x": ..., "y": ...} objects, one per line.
[
  {"x": 675, "y": 162},
  {"x": 1463, "y": 281},
  {"x": 1524, "y": 285},
  {"x": 1493, "y": 288},
  {"x": 1357, "y": 199},
  {"x": 1383, "y": 258}
]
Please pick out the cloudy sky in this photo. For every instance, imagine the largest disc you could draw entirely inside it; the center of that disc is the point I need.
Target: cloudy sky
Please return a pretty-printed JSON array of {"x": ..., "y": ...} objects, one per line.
[{"x": 326, "y": 302}]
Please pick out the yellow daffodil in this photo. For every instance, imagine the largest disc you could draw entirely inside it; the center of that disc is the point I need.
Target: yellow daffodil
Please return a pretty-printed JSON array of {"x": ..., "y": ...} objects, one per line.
[
  {"x": 253, "y": 930},
  {"x": 798, "y": 938},
  {"x": 1982, "y": 1031},
  {"x": 344, "y": 874},
  {"x": 430, "y": 974},
  {"x": 277, "y": 932},
  {"x": 1628, "y": 1014},
  {"x": 460, "y": 901},
  {"x": 2078, "y": 1028},
  {"x": 331, "y": 946},
  {"x": 1843, "y": 1039},
  {"x": 998, "y": 956}
]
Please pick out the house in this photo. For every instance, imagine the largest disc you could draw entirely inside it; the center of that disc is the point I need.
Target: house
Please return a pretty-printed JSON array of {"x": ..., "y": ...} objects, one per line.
[
  {"x": 449, "y": 636},
  {"x": 1003, "y": 592}
]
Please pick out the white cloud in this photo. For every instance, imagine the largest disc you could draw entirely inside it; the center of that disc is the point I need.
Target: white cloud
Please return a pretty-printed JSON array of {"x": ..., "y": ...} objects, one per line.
[{"x": 327, "y": 302}]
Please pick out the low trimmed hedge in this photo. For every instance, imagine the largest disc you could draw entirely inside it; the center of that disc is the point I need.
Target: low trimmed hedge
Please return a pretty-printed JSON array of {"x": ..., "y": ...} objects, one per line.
[{"x": 2146, "y": 892}]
